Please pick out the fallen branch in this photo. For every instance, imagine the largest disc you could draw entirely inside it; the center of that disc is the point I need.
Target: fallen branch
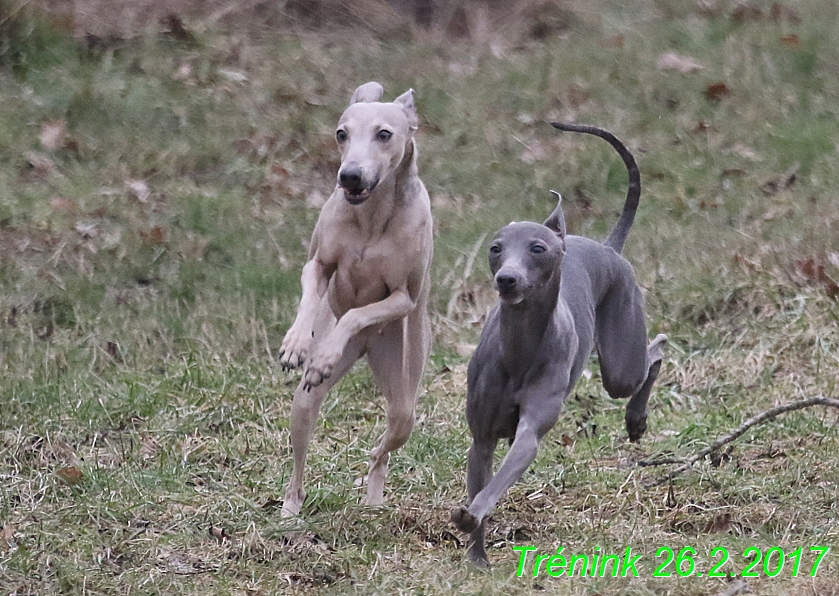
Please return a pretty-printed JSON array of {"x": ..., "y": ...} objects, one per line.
[{"x": 734, "y": 435}]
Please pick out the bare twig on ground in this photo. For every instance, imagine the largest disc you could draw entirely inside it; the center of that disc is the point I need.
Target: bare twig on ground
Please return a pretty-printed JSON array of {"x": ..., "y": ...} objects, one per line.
[{"x": 739, "y": 431}]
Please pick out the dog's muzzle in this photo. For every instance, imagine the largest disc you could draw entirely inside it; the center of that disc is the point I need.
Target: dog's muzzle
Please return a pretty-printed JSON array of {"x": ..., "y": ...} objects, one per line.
[
  {"x": 356, "y": 190},
  {"x": 510, "y": 287}
]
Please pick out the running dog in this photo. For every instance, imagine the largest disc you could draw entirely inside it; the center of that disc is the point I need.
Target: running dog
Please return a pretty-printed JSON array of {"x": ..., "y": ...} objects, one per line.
[
  {"x": 366, "y": 282},
  {"x": 560, "y": 296}
]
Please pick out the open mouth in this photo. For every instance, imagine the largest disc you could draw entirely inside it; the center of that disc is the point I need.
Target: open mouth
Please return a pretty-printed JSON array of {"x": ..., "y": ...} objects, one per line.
[
  {"x": 356, "y": 196},
  {"x": 510, "y": 297}
]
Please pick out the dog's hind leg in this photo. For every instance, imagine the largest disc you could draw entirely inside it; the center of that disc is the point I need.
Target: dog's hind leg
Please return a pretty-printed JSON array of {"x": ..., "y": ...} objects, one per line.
[
  {"x": 627, "y": 366},
  {"x": 636, "y": 409},
  {"x": 621, "y": 339}
]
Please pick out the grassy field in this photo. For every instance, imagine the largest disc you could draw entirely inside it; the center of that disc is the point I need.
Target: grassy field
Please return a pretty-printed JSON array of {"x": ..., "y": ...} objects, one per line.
[{"x": 156, "y": 198}]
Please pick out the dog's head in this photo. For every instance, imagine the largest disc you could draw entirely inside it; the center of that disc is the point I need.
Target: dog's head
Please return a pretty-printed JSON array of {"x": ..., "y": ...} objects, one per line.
[
  {"x": 374, "y": 138},
  {"x": 526, "y": 256}
]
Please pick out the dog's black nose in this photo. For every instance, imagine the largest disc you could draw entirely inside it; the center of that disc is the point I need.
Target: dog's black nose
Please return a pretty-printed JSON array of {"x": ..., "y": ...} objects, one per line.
[
  {"x": 506, "y": 282},
  {"x": 350, "y": 178}
]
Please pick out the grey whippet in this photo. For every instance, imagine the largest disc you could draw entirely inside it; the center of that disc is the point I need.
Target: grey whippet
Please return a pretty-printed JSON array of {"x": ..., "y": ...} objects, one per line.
[
  {"x": 560, "y": 296},
  {"x": 366, "y": 283}
]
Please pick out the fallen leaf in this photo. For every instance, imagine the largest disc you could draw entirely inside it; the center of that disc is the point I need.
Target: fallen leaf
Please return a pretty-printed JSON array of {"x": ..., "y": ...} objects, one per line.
[
  {"x": 747, "y": 12},
  {"x": 702, "y": 126},
  {"x": 219, "y": 534},
  {"x": 718, "y": 525},
  {"x": 533, "y": 152},
  {"x": 780, "y": 12},
  {"x": 745, "y": 152},
  {"x": 677, "y": 62},
  {"x": 149, "y": 447},
  {"x": 616, "y": 41},
  {"x": 52, "y": 134},
  {"x": 272, "y": 503},
  {"x": 86, "y": 229},
  {"x": 113, "y": 350},
  {"x": 236, "y": 76},
  {"x": 8, "y": 533},
  {"x": 139, "y": 190},
  {"x": 708, "y": 7},
  {"x": 244, "y": 147},
  {"x": 70, "y": 475},
  {"x": 40, "y": 162},
  {"x": 716, "y": 91},
  {"x": 64, "y": 205},
  {"x": 786, "y": 180},
  {"x": 184, "y": 71},
  {"x": 177, "y": 29},
  {"x": 156, "y": 236},
  {"x": 813, "y": 271},
  {"x": 11, "y": 321},
  {"x": 194, "y": 248},
  {"x": 791, "y": 41}
]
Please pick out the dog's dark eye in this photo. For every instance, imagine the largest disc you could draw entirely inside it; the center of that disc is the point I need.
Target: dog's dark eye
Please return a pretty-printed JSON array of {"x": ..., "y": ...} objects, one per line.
[
  {"x": 341, "y": 136},
  {"x": 495, "y": 249},
  {"x": 537, "y": 249},
  {"x": 384, "y": 135}
]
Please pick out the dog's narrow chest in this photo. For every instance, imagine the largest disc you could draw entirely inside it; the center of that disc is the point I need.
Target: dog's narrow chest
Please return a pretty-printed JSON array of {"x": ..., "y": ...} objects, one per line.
[{"x": 362, "y": 271}]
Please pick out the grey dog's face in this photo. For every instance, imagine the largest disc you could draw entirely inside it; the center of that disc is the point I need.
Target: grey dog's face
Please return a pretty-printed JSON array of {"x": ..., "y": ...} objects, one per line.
[
  {"x": 524, "y": 256},
  {"x": 372, "y": 138}
]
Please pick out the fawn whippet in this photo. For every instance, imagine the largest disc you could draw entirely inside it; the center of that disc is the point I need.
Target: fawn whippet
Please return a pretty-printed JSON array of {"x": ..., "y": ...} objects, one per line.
[{"x": 366, "y": 283}]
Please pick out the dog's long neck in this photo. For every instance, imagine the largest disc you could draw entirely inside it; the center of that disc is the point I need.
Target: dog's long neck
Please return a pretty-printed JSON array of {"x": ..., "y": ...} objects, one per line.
[
  {"x": 392, "y": 193},
  {"x": 524, "y": 326},
  {"x": 406, "y": 174}
]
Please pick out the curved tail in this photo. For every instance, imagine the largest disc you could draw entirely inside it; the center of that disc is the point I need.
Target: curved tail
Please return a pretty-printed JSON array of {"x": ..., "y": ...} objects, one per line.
[{"x": 619, "y": 233}]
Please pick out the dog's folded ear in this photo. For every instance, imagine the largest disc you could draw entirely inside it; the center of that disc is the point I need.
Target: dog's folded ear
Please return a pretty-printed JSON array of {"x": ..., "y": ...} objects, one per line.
[
  {"x": 406, "y": 100},
  {"x": 556, "y": 220},
  {"x": 368, "y": 92}
]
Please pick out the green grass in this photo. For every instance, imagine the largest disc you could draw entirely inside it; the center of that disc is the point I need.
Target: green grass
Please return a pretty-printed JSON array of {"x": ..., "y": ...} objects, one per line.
[{"x": 138, "y": 333}]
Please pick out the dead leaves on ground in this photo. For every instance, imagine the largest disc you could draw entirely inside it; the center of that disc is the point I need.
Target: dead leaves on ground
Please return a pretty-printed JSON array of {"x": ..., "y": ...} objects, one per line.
[
  {"x": 813, "y": 271},
  {"x": 715, "y": 92},
  {"x": 752, "y": 12},
  {"x": 783, "y": 182},
  {"x": 70, "y": 475}
]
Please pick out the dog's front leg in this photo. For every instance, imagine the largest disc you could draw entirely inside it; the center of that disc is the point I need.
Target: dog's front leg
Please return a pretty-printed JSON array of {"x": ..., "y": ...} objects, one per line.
[
  {"x": 535, "y": 421},
  {"x": 522, "y": 453},
  {"x": 328, "y": 352},
  {"x": 295, "y": 346}
]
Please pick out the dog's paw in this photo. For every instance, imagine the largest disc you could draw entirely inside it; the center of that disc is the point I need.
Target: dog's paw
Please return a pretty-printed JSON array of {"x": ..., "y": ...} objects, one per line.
[
  {"x": 321, "y": 365},
  {"x": 465, "y": 521},
  {"x": 295, "y": 348},
  {"x": 478, "y": 557},
  {"x": 293, "y": 502},
  {"x": 636, "y": 426}
]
